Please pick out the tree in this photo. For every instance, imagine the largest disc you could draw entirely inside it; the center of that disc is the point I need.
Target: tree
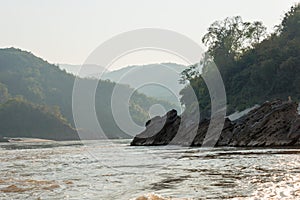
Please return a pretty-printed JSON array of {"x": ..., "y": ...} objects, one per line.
[
  {"x": 231, "y": 37},
  {"x": 189, "y": 74},
  {"x": 256, "y": 33},
  {"x": 254, "y": 69}
]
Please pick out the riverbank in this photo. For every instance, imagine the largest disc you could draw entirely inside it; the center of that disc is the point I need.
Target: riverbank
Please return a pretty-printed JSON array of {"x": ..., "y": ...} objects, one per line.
[{"x": 272, "y": 124}]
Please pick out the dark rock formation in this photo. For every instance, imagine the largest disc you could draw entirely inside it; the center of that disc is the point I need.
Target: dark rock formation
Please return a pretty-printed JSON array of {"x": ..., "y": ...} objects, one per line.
[
  {"x": 159, "y": 130},
  {"x": 275, "y": 123}
]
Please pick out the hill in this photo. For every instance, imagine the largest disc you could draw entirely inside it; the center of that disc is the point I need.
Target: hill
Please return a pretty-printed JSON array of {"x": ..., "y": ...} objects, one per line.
[
  {"x": 20, "y": 118},
  {"x": 42, "y": 83},
  {"x": 165, "y": 75},
  {"x": 91, "y": 71}
]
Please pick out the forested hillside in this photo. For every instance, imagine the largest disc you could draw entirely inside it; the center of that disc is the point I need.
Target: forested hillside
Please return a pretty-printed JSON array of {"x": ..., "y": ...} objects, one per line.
[
  {"x": 255, "y": 66},
  {"x": 24, "y": 75},
  {"x": 20, "y": 118}
]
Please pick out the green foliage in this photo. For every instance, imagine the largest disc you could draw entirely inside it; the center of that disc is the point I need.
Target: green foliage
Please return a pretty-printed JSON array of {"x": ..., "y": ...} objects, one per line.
[
  {"x": 20, "y": 118},
  {"x": 263, "y": 71},
  {"x": 23, "y": 74},
  {"x": 231, "y": 37},
  {"x": 227, "y": 41}
]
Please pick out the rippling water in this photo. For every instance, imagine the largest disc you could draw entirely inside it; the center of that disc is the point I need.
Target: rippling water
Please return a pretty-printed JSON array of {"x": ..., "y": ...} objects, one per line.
[{"x": 114, "y": 170}]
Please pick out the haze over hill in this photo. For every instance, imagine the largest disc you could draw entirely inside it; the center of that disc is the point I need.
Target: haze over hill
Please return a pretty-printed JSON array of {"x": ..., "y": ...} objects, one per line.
[
  {"x": 156, "y": 80},
  {"x": 91, "y": 70}
]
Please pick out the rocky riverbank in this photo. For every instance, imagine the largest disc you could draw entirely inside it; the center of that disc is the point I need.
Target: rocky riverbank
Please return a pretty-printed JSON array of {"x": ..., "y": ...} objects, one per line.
[{"x": 275, "y": 123}]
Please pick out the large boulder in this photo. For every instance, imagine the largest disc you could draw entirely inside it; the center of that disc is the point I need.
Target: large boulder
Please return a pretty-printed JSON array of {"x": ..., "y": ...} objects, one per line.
[{"x": 159, "y": 130}]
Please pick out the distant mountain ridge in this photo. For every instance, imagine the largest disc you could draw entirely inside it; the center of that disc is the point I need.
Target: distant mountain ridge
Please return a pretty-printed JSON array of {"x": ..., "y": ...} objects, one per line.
[
  {"x": 159, "y": 80},
  {"x": 90, "y": 70}
]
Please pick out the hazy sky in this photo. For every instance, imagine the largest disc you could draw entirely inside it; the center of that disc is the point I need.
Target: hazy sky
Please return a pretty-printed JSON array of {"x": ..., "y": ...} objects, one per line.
[{"x": 66, "y": 31}]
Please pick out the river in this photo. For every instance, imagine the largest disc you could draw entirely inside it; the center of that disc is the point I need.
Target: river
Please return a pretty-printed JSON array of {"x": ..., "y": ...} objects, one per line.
[{"x": 111, "y": 169}]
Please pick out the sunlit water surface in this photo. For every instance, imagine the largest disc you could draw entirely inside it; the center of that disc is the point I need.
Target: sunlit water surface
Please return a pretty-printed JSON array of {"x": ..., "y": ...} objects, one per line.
[{"x": 114, "y": 170}]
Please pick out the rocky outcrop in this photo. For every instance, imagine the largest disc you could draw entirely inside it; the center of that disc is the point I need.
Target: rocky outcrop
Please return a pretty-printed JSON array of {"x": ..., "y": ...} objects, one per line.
[
  {"x": 159, "y": 130},
  {"x": 275, "y": 123}
]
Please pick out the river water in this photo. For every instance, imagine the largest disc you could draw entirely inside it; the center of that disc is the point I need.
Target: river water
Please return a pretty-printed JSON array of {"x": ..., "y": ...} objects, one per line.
[{"x": 111, "y": 169}]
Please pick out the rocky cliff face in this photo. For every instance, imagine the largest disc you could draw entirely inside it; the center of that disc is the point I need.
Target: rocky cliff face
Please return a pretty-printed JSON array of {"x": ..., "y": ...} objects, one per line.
[{"x": 275, "y": 123}]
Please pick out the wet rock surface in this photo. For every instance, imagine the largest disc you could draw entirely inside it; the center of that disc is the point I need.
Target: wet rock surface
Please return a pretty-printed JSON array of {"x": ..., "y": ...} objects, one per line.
[{"x": 275, "y": 123}]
